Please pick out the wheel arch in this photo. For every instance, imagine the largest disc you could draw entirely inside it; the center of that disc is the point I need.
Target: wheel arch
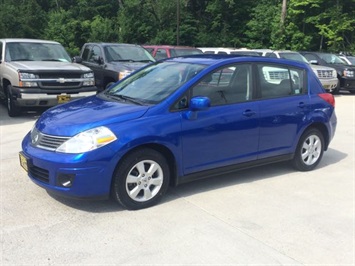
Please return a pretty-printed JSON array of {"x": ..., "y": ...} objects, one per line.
[
  {"x": 166, "y": 152},
  {"x": 323, "y": 129},
  {"x": 5, "y": 83}
]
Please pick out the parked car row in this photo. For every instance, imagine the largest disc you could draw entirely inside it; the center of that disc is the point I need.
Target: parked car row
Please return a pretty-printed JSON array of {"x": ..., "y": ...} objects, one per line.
[
  {"x": 47, "y": 76},
  {"x": 334, "y": 72}
]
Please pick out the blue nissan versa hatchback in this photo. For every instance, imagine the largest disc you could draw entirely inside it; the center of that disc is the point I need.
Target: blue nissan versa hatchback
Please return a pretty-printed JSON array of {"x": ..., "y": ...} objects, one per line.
[{"x": 178, "y": 120}]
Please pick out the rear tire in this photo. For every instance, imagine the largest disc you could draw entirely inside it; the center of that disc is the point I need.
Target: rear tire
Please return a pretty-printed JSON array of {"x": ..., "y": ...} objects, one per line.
[
  {"x": 141, "y": 179},
  {"x": 309, "y": 150}
]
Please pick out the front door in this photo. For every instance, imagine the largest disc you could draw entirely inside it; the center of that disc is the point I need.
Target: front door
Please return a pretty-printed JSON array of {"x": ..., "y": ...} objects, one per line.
[{"x": 228, "y": 131}]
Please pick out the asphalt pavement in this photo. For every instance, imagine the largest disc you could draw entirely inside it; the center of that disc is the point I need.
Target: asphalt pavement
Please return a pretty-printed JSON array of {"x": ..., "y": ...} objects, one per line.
[{"x": 270, "y": 215}]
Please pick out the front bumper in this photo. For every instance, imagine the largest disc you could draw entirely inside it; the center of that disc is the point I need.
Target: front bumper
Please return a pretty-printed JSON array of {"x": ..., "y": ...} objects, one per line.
[
  {"x": 347, "y": 83},
  {"x": 86, "y": 175},
  {"x": 329, "y": 84},
  {"x": 38, "y": 98}
]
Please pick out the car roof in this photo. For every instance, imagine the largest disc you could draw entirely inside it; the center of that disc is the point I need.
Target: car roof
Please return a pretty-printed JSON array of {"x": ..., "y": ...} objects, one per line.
[
  {"x": 212, "y": 59},
  {"x": 27, "y": 40},
  {"x": 168, "y": 46},
  {"x": 112, "y": 44}
]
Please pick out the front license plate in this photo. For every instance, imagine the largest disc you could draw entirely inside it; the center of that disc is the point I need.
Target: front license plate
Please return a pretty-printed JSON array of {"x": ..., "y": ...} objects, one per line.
[
  {"x": 23, "y": 161},
  {"x": 63, "y": 98}
]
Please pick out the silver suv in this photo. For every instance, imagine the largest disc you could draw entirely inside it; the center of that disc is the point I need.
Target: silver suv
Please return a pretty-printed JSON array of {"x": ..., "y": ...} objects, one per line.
[
  {"x": 326, "y": 75},
  {"x": 39, "y": 73}
]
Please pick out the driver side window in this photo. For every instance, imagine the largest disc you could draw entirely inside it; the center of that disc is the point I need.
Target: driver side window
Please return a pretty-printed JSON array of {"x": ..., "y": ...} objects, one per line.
[
  {"x": 228, "y": 85},
  {"x": 95, "y": 55}
]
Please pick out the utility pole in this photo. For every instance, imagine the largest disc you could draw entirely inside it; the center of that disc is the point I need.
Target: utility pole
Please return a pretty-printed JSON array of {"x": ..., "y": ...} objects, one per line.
[
  {"x": 177, "y": 21},
  {"x": 283, "y": 13}
]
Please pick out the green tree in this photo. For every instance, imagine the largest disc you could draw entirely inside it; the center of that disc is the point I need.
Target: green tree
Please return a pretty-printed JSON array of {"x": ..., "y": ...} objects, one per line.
[{"x": 22, "y": 19}]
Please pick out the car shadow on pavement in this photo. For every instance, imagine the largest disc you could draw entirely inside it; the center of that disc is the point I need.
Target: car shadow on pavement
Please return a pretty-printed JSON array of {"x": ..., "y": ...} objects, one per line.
[
  {"x": 89, "y": 205},
  {"x": 252, "y": 175},
  {"x": 26, "y": 116},
  {"x": 204, "y": 185}
]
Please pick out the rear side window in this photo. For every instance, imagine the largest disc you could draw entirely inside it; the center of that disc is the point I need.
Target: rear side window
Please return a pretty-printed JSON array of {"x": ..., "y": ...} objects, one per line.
[
  {"x": 161, "y": 54},
  {"x": 280, "y": 81}
]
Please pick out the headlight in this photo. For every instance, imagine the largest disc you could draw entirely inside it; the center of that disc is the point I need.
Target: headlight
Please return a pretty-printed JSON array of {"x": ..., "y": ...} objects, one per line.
[
  {"x": 25, "y": 79},
  {"x": 123, "y": 74},
  {"x": 89, "y": 79},
  {"x": 334, "y": 72},
  {"x": 88, "y": 140},
  {"x": 348, "y": 73}
]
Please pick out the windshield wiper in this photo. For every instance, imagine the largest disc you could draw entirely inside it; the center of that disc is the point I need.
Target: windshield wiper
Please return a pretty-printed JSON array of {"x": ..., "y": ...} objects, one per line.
[
  {"x": 51, "y": 59},
  {"x": 124, "y": 60},
  {"x": 21, "y": 59},
  {"x": 125, "y": 98},
  {"x": 145, "y": 60}
]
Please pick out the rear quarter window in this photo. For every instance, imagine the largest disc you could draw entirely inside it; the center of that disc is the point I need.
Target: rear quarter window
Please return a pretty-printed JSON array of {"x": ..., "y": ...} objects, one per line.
[{"x": 280, "y": 81}]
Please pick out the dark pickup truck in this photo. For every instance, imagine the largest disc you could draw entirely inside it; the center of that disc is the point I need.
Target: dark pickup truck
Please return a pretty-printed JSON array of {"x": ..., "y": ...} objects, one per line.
[
  {"x": 112, "y": 61},
  {"x": 345, "y": 73}
]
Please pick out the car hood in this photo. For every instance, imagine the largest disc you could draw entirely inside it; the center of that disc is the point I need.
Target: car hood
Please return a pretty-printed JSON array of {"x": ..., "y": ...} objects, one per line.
[
  {"x": 74, "y": 117},
  {"x": 48, "y": 65},
  {"x": 128, "y": 66}
]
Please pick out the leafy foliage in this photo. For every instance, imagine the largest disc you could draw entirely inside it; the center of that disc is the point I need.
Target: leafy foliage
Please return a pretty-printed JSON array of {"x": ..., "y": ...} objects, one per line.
[{"x": 309, "y": 24}]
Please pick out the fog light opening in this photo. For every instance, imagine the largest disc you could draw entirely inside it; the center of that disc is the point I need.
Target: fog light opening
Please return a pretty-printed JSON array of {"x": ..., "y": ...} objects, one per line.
[{"x": 65, "y": 180}]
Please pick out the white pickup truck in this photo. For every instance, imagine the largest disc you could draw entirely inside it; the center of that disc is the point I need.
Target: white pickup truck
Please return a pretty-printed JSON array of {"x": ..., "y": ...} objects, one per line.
[{"x": 39, "y": 73}]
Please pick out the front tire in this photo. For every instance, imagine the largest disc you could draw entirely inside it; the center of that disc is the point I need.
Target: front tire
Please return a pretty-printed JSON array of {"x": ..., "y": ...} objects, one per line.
[
  {"x": 336, "y": 90},
  {"x": 12, "y": 109},
  {"x": 141, "y": 179},
  {"x": 309, "y": 150}
]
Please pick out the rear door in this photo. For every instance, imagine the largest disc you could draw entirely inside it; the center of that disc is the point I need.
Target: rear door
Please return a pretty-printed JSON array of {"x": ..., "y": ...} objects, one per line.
[{"x": 283, "y": 108}]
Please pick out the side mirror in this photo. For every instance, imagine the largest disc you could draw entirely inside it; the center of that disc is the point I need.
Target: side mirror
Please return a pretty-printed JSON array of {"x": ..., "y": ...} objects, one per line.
[
  {"x": 199, "y": 103},
  {"x": 98, "y": 59},
  {"x": 313, "y": 62},
  {"x": 77, "y": 59}
]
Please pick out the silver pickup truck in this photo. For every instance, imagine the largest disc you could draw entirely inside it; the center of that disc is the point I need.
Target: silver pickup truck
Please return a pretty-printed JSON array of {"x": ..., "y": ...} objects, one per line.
[{"x": 39, "y": 73}]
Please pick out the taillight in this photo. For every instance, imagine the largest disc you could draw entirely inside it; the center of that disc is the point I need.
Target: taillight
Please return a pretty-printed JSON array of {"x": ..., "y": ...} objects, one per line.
[{"x": 329, "y": 98}]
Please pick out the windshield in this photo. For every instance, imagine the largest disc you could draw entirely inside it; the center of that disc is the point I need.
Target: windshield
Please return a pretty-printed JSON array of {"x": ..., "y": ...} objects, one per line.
[
  {"x": 331, "y": 59},
  {"x": 127, "y": 53},
  {"x": 154, "y": 83},
  {"x": 30, "y": 51},
  {"x": 351, "y": 59},
  {"x": 245, "y": 53},
  {"x": 185, "y": 51},
  {"x": 294, "y": 56}
]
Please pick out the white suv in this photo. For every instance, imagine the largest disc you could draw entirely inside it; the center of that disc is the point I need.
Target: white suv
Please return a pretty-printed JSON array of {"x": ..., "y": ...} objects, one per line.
[{"x": 326, "y": 75}]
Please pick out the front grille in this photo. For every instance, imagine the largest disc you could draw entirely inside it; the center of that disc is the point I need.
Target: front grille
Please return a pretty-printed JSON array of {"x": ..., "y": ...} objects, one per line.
[
  {"x": 59, "y": 80},
  {"x": 46, "y": 142},
  {"x": 39, "y": 173},
  {"x": 58, "y": 85},
  {"x": 325, "y": 74},
  {"x": 69, "y": 75},
  {"x": 278, "y": 75}
]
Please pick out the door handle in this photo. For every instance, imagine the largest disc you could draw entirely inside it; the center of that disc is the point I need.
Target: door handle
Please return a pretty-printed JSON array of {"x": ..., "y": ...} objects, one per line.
[
  {"x": 248, "y": 113},
  {"x": 301, "y": 105}
]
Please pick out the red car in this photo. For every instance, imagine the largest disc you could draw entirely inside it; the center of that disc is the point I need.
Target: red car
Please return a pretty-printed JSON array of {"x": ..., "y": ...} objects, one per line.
[{"x": 166, "y": 51}]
